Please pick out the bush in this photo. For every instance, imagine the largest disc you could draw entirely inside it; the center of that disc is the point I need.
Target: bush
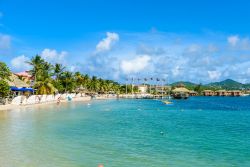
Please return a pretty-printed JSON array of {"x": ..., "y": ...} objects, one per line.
[
  {"x": 4, "y": 89},
  {"x": 4, "y": 71}
]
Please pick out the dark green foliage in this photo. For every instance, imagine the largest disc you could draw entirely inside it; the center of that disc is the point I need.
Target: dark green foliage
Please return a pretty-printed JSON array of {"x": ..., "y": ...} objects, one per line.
[
  {"x": 4, "y": 71},
  {"x": 229, "y": 84},
  {"x": 4, "y": 89}
]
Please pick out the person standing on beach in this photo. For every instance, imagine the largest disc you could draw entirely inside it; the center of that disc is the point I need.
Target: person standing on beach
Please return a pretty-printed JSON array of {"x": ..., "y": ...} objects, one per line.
[{"x": 58, "y": 100}]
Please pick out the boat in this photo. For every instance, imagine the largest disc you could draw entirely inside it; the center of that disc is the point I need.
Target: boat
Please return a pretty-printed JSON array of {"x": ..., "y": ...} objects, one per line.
[{"x": 167, "y": 102}]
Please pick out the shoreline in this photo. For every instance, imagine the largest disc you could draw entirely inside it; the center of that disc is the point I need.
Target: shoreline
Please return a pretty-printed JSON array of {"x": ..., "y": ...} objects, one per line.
[{"x": 8, "y": 107}]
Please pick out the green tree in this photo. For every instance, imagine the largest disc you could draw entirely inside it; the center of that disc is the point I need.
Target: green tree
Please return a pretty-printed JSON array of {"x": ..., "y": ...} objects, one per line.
[
  {"x": 198, "y": 89},
  {"x": 45, "y": 87},
  {"x": 36, "y": 63},
  {"x": 58, "y": 70},
  {"x": 79, "y": 79},
  {"x": 93, "y": 84},
  {"x": 68, "y": 81},
  {"x": 4, "y": 89},
  {"x": 4, "y": 71},
  {"x": 86, "y": 81},
  {"x": 42, "y": 73}
]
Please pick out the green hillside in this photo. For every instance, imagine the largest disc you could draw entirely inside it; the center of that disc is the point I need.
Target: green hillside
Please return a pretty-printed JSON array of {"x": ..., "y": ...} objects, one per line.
[{"x": 228, "y": 84}]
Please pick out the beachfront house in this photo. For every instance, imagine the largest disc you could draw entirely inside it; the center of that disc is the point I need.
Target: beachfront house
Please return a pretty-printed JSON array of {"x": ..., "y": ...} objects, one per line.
[
  {"x": 208, "y": 93},
  {"x": 221, "y": 93},
  {"x": 158, "y": 89},
  {"x": 19, "y": 87},
  {"x": 193, "y": 93},
  {"x": 142, "y": 88},
  {"x": 26, "y": 77},
  {"x": 235, "y": 93}
]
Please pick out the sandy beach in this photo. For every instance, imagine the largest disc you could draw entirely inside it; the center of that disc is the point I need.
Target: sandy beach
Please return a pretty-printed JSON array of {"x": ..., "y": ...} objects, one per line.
[{"x": 12, "y": 106}]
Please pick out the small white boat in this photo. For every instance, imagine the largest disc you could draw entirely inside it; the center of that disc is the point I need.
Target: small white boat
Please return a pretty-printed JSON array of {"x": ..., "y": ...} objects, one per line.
[{"x": 167, "y": 102}]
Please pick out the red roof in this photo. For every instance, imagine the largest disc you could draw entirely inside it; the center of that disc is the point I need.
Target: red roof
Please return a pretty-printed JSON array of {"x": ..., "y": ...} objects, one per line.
[{"x": 23, "y": 74}]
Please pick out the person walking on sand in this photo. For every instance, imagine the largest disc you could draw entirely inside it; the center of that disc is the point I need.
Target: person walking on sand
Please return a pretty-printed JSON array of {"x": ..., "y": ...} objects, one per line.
[{"x": 58, "y": 100}]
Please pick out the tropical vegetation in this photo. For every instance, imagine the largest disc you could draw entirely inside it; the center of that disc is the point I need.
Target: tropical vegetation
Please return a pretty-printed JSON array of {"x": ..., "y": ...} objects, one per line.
[
  {"x": 49, "y": 79},
  {"x": 4, "y": 76},
  {"x": 55, "y": 78}
]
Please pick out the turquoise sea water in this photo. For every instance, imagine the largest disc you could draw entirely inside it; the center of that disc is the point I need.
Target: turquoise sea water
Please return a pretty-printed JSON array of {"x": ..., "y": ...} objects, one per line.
[{"x": 200, "y": 131}]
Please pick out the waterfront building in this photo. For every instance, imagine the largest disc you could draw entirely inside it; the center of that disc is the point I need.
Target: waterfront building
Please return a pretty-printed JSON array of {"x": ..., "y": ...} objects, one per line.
[
  {"x": 235, "y": 93},
  {"x": 221, "y": 93},
  {"x": 208, "y": 93},
  {"x": 142, "y": 88},
  {"x": 193, "y": 93}
]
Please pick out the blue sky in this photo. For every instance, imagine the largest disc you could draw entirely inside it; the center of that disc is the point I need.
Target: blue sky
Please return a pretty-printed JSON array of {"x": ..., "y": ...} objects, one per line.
[{"x": 199, "y": 41}]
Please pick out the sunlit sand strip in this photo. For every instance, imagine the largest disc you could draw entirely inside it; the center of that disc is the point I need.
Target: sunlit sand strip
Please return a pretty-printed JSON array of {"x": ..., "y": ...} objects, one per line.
[{"x": 43, "y": 100}]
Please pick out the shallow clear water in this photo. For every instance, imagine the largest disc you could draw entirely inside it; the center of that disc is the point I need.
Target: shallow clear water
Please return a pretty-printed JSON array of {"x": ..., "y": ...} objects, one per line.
[{"x": 200, "y": 131}]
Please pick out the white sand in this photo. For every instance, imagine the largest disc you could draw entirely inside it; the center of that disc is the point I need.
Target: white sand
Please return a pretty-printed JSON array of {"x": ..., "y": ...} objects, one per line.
[{"x": 12, "y": 106}]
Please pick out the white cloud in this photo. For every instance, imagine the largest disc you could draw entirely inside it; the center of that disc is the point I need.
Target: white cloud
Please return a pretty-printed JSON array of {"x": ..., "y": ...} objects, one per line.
[
  {"x": 19, "y": 63},
  {"x": 107, "y": 43},
  {"x": 194, "y": 48},
  {"x": 212, "y": 48},
  {"x": 150, "y": 55},
  {"x": 73, "y": 68},
  {"x": 5, "y": 41},
  {"x": 214, "y": 75},
  {"x": 245, "y": 44},
  {"x": 53, "y": 56},
  {"x": 135, "y": 65},
  {"x": 176, "y": 71},
  {"x": 233, "y": 40}
]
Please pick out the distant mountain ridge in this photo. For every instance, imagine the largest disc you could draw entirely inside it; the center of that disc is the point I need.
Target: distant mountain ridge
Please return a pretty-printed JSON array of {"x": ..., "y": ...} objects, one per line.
[
  {"x": 185, "y": 83},
  {"x": 227, "y": 84}
]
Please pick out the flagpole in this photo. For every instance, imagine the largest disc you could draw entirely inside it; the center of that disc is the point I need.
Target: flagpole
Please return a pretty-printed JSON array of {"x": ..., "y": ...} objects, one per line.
[
  {"x": 126, "y": 86},
  {"x": 162, "y": 88},
  {"x": 132, "y": 86}
]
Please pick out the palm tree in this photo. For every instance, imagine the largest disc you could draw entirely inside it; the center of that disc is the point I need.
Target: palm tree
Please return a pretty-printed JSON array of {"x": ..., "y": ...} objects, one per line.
[
  {"x": 86, "y": 81},
  {"x": 79, "y": 79},
  {"x": 42, "y": 72},
  {"x": 36, "y": 63},
  {"x": 45, "y": 87},
  {"x": 68, "y": 81},
  {"x": 58, "y": 69},
  {"x": 94, "y": 84}
]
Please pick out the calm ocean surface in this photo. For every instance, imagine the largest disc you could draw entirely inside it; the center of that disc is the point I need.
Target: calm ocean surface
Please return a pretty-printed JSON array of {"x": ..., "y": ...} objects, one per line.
[{"x": 200, "y": 131}]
